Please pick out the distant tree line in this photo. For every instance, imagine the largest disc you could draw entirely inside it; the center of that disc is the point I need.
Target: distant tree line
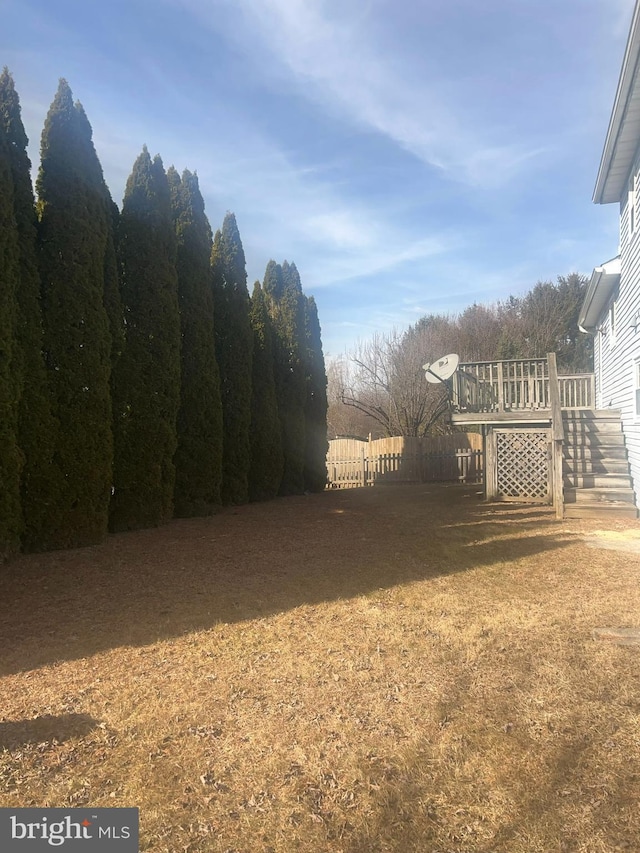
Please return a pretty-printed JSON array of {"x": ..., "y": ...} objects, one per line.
[
  {"x": 139, "y": 381},
  {"x": 380, "y": 386}
]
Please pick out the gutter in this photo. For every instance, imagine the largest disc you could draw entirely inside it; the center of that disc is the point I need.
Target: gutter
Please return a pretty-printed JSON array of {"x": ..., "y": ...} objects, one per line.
[
  {"x": 604, "y": 280},
  {"x": 596, "y": 277}
]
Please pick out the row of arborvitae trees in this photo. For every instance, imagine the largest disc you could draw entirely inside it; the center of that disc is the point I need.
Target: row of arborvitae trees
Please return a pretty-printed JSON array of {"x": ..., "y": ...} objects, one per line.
[{"x": 138, "y": 379}]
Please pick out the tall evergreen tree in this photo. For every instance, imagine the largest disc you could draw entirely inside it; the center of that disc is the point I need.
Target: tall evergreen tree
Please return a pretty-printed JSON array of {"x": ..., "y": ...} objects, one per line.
[
  {"x": 267, "y": 459},
  {"x": 315, "y": 410},
  {"x": 286, "y": 306},
  {"x": 198, "y": 457},
  {"x": 234, "y": 347},
  {"x": 36, "y": 427},
  {"x": 147, "y": 374},
  {"x": 111, "y": 290},
  {"x": 112, "y": 300},
  {"x": 10, "y": 380},
  {"x": 73, "y": 238}
]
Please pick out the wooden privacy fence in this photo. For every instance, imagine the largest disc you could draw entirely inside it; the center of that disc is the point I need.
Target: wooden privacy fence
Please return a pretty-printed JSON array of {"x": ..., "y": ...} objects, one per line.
[{"x": 448, "y": 458}]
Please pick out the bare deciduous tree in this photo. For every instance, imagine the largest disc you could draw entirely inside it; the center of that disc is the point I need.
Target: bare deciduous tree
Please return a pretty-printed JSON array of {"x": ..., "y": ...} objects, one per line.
[
  {"x": 342, "y": 420},
  {"x": 386, "y": 383},
  {"x": 380, "y": 387}
]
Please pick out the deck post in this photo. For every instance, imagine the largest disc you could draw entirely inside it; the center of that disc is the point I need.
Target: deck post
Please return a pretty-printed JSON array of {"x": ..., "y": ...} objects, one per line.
[
  {"x": 490, "y": 466},
  {"x": 557, "y": 435},
  {"x": 500, "y": 388},
  {"x": 483, "y": 433}
]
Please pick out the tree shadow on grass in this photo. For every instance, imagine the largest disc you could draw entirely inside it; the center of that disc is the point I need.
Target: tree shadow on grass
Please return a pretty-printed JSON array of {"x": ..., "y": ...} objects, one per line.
[
  {"x": 46, "y": 728},
  {"x": 246, "y": 563},
  {"x": 500, "y": 513},
  {"x": 420, "y": 805}
]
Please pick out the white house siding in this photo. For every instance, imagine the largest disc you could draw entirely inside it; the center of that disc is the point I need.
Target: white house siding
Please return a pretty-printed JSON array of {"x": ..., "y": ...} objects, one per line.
[{"x": 615, "y": 355}]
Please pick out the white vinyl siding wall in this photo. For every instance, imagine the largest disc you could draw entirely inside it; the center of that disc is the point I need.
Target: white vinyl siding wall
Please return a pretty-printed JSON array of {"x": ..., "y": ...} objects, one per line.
[{"x": 615, "y": 358}]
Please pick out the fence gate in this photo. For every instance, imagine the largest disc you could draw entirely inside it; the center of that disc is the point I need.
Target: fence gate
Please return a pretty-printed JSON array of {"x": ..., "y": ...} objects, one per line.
[{"x": 519, "y": 465}]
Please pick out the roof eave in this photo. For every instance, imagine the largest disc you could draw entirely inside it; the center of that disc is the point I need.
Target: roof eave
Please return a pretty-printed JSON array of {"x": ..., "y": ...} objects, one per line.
[
  {"x": 603, "y": 282},
  {"x": 619, "y": 153}
]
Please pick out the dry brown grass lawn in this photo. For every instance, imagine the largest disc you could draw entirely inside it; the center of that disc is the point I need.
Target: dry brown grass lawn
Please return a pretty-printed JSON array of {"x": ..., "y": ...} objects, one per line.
[{"x": 392, "y": 669}]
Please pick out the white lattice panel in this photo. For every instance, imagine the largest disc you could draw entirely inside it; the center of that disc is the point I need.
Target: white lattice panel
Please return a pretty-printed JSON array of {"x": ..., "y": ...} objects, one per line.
[{"x": 523, "y": 464}]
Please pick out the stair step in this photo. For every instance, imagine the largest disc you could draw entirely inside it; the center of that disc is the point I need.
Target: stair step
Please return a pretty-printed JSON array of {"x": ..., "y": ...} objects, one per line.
[
  {"x": 595, "y": 452},
  {"x": 598, "y": 481},
  {"x": 589, "y": 415},
  {"x": 596, "y": 495},
  {"x": 595, "y": 466},
  {"x": 601, "y": 510},
  {"x": 599, "y": 467},
  {"x": 594, "y": 439},
  {"x": 579, "y": 427}
]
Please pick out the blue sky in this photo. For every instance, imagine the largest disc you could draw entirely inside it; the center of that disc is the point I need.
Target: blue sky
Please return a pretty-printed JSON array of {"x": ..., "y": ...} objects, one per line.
[{"x": 411, "y": 156}]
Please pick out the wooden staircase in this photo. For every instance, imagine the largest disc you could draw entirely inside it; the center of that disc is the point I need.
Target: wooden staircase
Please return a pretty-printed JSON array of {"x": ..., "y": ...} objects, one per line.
[{"x": 596, "y": 477}]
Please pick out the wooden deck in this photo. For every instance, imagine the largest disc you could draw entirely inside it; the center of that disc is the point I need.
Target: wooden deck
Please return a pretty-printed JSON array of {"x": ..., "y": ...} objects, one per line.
[
  {"x": 514, "y": 395},
  {"x": 516, "y": 416},
  {"x": 516, "y": 390},
  {"x": 540, "y": 439}
]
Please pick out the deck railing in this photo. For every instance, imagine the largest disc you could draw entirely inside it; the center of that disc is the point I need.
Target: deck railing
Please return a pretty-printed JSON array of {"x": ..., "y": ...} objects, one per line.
[
  {"x": 517, "y": 385},
  {"x": 501, "y": 386},
  {"x": 577, "y": 391}
]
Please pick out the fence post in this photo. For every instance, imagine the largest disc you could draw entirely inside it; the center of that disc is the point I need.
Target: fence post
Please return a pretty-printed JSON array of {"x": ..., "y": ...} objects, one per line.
[{"x": 363, "y": 467}]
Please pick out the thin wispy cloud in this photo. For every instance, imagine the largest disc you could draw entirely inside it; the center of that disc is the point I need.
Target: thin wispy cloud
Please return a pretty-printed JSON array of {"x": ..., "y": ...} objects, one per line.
[
  {"x": 333, "y": 59},
  {"x": 348, "y": 238},
  {"x": 410, "y": 157}
]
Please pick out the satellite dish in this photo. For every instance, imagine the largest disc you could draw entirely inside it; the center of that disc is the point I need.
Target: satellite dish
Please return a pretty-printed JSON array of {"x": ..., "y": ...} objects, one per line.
[{"x": 441, "y": 369}]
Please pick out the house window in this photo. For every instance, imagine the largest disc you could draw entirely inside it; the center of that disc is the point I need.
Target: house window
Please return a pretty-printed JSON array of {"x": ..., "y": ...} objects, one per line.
[{"x": 636, "y": 387}]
